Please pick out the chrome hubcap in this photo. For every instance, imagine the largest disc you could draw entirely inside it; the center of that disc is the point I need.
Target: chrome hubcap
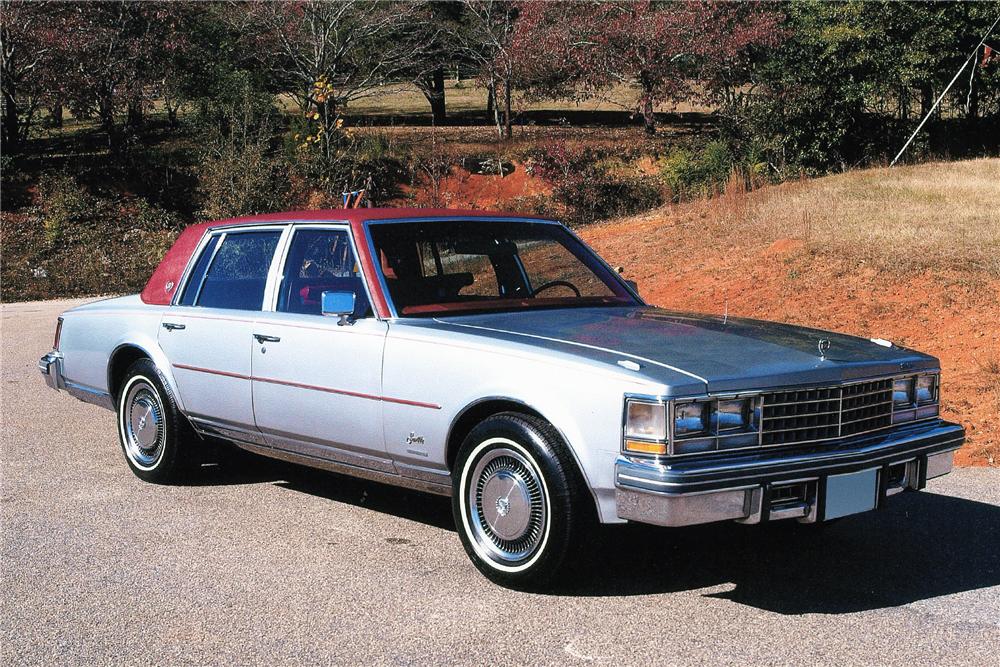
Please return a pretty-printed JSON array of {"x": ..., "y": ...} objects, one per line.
[
  {"x": 507, "y": 506},
  {"x": 143, "y": 422}
]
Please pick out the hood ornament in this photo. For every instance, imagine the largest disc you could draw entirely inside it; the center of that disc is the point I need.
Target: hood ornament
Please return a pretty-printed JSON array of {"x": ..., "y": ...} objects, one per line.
[{"x": 823, "y": 346}]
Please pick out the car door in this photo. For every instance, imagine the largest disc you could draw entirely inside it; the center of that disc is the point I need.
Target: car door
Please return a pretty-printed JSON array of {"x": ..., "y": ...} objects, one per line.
[
  {"x": 207, "y": 333},
  {"x": 317, "y": 382}
]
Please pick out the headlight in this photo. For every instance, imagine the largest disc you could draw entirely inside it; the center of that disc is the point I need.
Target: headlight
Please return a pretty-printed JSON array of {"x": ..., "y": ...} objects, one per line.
[
  {"x": 689, "y": 419},
  {"x": 902, "y": 392},
  {"x": 926, "y": 389},
  {"x": 915, "y": 397},
  {"x": 645, "y": 427},
  {"x": 647, "y": 421},
  {"x": 730, "y": 415}
]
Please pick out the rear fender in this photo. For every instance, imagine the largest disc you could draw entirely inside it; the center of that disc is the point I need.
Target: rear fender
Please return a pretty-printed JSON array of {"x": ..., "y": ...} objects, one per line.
[{"x": 152, "y": 349}]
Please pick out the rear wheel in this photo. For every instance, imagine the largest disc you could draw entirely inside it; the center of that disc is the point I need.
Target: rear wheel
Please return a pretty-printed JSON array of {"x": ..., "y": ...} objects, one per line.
[
  {"x": 151, "y": 430},
  {"x": 518, "y": 500}
]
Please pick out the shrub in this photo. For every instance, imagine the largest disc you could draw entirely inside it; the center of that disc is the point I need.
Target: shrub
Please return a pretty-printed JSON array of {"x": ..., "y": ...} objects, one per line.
[
  {"x": 65, "y": 205},
  {"x": 593, "y": 183},
  {"x": 74, "y": 242},
  {"x": 689, "y": 174},
  {"x": 242, "y": 178},
  {"x": 354, "y": 160}
]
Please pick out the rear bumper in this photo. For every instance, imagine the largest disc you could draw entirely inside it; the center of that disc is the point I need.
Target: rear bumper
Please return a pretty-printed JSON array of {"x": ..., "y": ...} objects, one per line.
[
  {"x": 51, "y": 367},
  {"x": 759, "y": 487}
]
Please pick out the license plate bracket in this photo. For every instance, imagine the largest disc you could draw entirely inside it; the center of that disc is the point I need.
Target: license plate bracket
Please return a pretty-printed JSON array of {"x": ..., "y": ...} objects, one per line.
[{"x": 850, "y": 493}]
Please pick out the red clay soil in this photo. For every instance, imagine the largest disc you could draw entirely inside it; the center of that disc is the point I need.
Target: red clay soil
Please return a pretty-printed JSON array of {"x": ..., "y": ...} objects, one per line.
[
  {"x": 944, "y": 314},
  {"x": 461, "y": 189}
]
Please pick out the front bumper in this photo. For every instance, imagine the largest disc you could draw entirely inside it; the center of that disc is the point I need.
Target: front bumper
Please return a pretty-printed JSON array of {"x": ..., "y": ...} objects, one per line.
[
  {"x": 51, "y": 367},
  {"x": 767, "y": 486}
]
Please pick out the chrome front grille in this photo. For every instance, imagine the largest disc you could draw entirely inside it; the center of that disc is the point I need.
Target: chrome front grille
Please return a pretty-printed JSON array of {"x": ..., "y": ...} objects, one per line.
[{"x": 825, "y": 413}]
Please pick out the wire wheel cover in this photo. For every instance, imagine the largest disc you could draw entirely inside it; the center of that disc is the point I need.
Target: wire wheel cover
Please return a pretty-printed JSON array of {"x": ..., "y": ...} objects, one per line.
[
  {"x": 143, "y": 425},
  {"x": 507, "y": 505}
]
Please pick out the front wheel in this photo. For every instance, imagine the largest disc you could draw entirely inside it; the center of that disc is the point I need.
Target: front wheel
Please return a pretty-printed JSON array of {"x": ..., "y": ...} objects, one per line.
[
  {"x": 518, "y": 500},
  {"x": 151, "y": 430}
]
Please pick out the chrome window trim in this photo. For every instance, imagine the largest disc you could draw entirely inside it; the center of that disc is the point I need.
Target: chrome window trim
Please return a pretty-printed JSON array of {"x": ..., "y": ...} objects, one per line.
[
  {"x": 211, "y": 260},
  {"x": 274, "y": 270},
  {"x": 376, "y": 262},
  {"x": 669, "y": 404}
]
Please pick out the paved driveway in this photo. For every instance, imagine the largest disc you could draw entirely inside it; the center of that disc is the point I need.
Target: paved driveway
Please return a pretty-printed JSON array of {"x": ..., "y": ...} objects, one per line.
[{"x": 262, "y": 562}]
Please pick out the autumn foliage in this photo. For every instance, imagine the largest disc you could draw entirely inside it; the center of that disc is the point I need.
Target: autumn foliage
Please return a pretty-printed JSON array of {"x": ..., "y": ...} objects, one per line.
[{"x": 673, "y": 50}]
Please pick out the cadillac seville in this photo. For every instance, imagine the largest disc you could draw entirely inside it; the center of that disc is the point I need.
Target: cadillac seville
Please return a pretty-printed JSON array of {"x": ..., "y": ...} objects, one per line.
[{"x": 497, "y": 360}]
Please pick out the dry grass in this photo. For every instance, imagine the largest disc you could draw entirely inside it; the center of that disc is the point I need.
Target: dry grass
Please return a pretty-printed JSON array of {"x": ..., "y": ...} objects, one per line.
[
  {"x": 929, "y": 216},
  {"x": 990, "y": 370},
  {"x": 401, "y": 100}
]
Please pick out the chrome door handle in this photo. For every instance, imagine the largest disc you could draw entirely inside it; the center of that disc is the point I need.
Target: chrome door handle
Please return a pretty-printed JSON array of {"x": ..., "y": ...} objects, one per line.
[
  {"x": 261, "y": 338},
  {"x": 170, "y": 326}
]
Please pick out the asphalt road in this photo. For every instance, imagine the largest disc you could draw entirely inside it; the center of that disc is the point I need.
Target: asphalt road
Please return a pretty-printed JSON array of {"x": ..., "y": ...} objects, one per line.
[{"x": 262, "y": 562}]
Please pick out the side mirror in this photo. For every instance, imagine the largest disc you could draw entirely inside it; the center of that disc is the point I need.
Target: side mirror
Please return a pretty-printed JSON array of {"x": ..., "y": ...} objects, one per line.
[
  {"x": 338, "y": 304},
  {"x": 634, "y": 285}
]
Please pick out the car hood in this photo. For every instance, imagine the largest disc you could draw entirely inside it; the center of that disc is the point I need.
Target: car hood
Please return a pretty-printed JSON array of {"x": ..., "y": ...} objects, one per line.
[{"x": 726, "y": 354}]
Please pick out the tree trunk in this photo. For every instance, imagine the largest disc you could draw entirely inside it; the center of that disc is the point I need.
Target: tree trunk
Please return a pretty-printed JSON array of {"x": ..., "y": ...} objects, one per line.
[
  {"x": 135, "y": 119},
  {"x": 926, "y": 99},
  {"x": 646, "y": 103},
  {"x": 11, "y": 124},
  {"x": 491, "y": 98},
  {"x": 106, "y": 112},
  {"x": 433, "y": 90},
  {"x": 508, "y": 131},
  {"x": 56, "y": 114}
]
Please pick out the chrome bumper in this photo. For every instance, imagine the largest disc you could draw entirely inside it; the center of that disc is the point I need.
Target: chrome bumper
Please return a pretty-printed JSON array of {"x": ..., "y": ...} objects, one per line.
[
  {"x": 51, "y": 367},
  {"x": 767, "y": 486}
]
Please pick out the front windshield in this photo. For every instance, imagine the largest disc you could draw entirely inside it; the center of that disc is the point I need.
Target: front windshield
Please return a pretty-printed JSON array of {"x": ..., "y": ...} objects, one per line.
[{"x": 436, "y": 267}]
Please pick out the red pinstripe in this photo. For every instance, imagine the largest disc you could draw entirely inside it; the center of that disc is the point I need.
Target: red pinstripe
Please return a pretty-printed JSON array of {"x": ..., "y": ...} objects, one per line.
[{"x": 299, "y": 385}]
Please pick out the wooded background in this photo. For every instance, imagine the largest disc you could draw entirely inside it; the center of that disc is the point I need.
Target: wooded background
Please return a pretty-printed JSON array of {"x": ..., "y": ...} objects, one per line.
[{"x": 124, "y": 121}]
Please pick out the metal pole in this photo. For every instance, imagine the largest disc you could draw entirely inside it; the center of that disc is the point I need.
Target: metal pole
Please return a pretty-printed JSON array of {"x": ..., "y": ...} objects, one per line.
[{"x": 961, "y": 69}]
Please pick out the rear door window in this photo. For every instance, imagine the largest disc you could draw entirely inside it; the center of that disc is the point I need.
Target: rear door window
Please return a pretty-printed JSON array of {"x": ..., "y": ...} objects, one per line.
[{"x": 237, "y": 272}]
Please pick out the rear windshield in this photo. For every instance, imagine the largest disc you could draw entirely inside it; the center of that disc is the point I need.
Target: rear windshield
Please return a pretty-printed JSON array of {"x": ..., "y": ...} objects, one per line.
[{"x": 437, "y": 267}]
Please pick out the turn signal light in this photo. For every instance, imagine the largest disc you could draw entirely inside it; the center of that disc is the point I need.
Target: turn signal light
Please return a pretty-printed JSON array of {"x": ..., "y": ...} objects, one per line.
[{"x": 643, "y": 447}]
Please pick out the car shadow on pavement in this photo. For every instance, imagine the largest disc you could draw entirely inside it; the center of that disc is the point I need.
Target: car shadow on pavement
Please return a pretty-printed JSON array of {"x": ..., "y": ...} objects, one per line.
[
  {"x": 239, "y": 467},
  {"x": 921, "y": 546}
]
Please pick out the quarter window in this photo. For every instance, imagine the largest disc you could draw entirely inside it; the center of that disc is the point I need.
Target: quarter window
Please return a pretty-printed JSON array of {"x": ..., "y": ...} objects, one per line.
[
  {"x": 236, "y": 274},
  {"x": 197, "y": 276}
]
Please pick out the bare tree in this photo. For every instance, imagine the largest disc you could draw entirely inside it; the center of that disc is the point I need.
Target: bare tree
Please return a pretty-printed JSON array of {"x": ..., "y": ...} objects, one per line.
[
  {"x": 484, "y": 37},
  {"x": 327, "y": 54}
]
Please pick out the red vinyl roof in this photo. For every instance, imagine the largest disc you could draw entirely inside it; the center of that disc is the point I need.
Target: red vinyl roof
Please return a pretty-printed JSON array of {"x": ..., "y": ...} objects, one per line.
[
  {"x": 163, "y": 283},
  {"x": 363, "y": 214}
]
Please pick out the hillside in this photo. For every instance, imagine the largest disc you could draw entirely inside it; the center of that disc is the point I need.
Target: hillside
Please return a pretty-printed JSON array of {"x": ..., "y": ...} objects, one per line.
[{"x": 909, "y": 254}]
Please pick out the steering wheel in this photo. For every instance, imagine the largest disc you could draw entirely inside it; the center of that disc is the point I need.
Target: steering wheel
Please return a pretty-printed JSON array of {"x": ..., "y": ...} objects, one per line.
[{"x": 556, "y": 283}]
